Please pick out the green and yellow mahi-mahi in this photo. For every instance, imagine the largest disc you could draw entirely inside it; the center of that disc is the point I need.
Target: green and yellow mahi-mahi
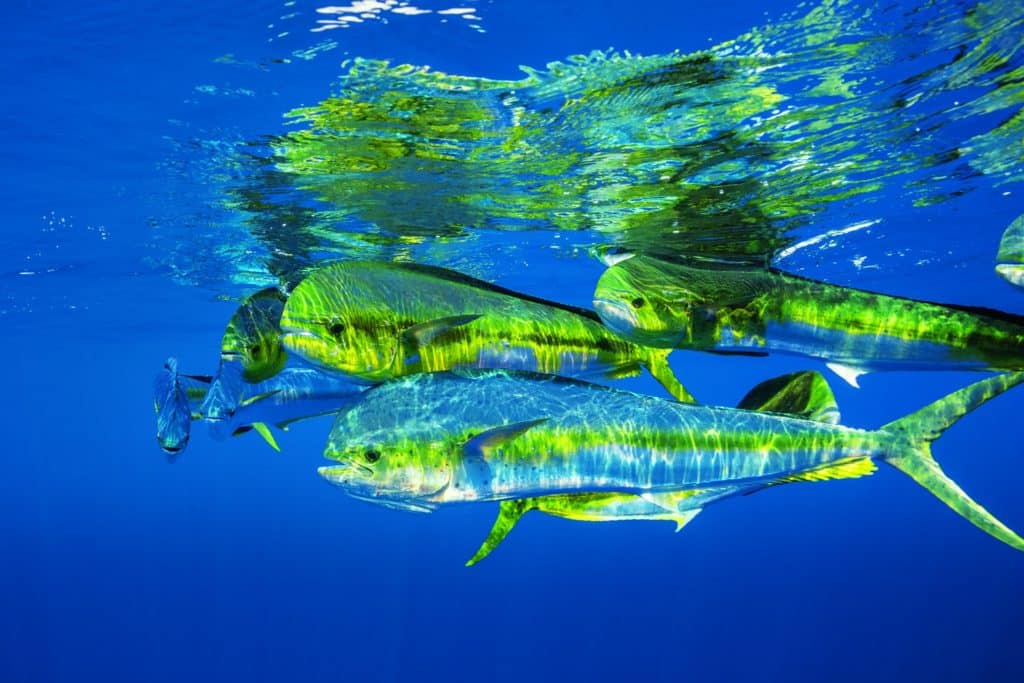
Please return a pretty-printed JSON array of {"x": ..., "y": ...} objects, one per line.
[
  {"x": 383, "y": 320},
  {"x": 755, "y": 310},
  {"x": 434, "y": 438}
]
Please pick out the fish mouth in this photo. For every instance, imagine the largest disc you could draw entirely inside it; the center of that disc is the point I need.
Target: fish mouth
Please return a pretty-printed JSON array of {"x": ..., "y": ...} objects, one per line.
[
  {"x": 616, "y": 315},
  {"x": 173, "y": 450},
  {"x": 343, "y": 467},
  {"x": 231, "y": 356}
]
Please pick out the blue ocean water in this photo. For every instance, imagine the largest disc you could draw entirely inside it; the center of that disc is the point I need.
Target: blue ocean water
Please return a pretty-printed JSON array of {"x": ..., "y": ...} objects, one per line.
[{"x": 138, "y": 211}]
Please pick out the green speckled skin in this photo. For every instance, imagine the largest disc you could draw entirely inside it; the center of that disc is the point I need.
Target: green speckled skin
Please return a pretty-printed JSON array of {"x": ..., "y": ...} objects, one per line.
[
  {"x": 437, "y": 438},
  {"x": 382, "y": 320},
  {"x": 253, "y": 336},
  {"x": 676, "y": 306}
]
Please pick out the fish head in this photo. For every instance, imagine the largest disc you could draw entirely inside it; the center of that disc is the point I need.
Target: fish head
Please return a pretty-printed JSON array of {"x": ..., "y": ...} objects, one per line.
[
  {"x": 402, "y": 473},
  {"x": 253, "y": 336},
  {"x": 329, "y": 322},
  {"x": 173, "y": 413},
  {"x": 635, "y": 303},
  {"x": 398, "y": 460}
]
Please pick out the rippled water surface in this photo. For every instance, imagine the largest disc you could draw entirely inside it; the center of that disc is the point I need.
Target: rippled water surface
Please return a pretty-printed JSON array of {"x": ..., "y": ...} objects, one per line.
[{"x": 163, "y": 161}]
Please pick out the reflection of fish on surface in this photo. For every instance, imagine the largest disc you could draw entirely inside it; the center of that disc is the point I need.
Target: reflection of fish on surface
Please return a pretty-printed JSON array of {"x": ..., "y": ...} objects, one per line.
[
  {"x": 174, "y": 396},
  {"x": 293, "y": 394},
  {"x": 804, "y": 394},
  {"x": 378, "y": 320},
  {"x": 420, "y": 441},
  {"x": 756, "y": 310}
]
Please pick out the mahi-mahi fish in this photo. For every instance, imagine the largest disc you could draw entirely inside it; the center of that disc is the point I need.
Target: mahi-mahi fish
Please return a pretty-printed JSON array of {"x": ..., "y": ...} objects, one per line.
[
  {"x": 291, "y": 395},
  {"x": 174, "y": 398},
  {"x": 804, "y": 394},
  {"x": 250, "y": 352},
  {"x": 421, "y": 441},
  {"x": 758, "y": 310},
  {"x": 378, "y": 321}
]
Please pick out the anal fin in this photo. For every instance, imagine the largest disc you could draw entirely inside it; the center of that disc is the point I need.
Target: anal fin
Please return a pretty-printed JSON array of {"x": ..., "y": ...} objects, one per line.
[{"x": 509, "y": 514}]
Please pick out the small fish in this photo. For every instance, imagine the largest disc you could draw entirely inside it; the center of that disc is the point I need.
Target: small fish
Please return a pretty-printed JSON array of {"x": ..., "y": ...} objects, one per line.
[
  {"x": 757, "y": 310},
  {"x": 1010, "y": 260},
  {"x": 293, "y": 394},
  {"x": 377, "y": 321},
  {"x": 804, "y": 394},
  {"x": 420, "y": 441},
  {"x": 173, "y": 396}
]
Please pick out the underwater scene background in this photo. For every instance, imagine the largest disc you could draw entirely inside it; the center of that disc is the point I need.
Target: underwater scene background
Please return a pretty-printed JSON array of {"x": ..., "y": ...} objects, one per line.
[{"x": 162, "y": 161}]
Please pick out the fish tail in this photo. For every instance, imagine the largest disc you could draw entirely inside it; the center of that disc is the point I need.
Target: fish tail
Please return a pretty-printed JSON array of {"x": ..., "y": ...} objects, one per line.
[
  {"x": 657, "y": 365},
  {"x": 508, "y": 515},
  {"x": 921, "y": 428}
]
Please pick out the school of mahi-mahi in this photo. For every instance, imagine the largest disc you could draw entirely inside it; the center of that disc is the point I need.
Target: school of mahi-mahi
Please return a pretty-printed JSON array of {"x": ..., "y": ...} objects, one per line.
[{"x": 447, "y": 389}]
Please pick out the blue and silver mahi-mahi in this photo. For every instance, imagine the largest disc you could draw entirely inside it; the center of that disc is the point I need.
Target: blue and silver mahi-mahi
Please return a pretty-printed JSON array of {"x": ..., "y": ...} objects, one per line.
[
  {"x": 424, "y": 440},
  {"x": 803, "y": 394},
  {"x": 291, "y": 395},
  {"x": 377, "y": 321},
  {"x": 175, "y": 397}
]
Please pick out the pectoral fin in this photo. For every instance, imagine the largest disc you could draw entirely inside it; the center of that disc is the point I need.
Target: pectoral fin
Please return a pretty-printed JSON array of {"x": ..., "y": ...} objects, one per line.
[
  {"x": 263, "y": 430},
  {"x": 508, "y": 515},
  {"x": 659, "y": 368},
  {"x": 483, "y": 443},
  {"x": 425, "y": 333},
  {"x": 259, "y": 397}
]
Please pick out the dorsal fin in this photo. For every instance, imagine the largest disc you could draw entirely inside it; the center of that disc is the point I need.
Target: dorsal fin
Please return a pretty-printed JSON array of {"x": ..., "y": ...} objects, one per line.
[{"x": 454, "y": 276}]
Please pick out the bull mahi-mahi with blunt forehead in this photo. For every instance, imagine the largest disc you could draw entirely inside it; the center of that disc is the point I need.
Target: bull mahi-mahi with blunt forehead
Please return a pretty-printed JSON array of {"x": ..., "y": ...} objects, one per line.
[
  {"x": 435, "y": 438},
  {"x": 757, "y": 310},
  {"x": 378, "y": 321}
]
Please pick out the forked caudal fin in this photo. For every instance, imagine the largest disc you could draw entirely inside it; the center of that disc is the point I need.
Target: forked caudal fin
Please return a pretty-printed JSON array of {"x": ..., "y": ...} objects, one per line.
[{"x": 926, "y": 425}]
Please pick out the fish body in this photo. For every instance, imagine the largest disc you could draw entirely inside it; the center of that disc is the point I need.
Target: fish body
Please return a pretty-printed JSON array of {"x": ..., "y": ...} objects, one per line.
[
  {"x": 293, "y": 394},
  {"x": 756, "y": 310},
  {"x": 377, "y": 321},
  {"x": 174, "y": 396},
  {"x": 424, "y": 440},
  {"x": 500, "y": 435},
  {"x": 805, "y": 394}
]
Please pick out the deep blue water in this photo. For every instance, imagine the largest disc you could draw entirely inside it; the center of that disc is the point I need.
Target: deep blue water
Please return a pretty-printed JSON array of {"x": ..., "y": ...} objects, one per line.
[{"x": 240, "y": 563}]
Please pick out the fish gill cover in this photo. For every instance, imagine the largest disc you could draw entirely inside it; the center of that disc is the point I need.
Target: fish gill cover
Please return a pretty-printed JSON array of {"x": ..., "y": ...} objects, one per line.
[{"x": 725, "y": 153}]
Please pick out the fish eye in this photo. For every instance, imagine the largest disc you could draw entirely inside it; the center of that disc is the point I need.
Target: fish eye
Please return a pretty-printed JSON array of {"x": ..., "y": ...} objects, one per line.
[
  {"x": 256, "y": 349},
  {"x": 637, "y": 302},
  {"x": 372, "y": 455},
  {"x": 336, "y": 328}
]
